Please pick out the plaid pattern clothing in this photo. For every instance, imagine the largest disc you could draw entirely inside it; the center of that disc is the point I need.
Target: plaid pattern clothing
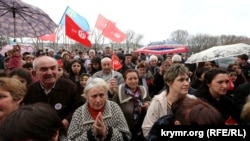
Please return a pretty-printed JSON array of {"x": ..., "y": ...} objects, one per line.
[{"x": 80, "y": 128}]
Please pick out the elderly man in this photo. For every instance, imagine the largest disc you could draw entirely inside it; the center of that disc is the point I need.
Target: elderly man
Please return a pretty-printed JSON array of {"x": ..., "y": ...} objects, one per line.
[
  {"x": 113, "y": 78},
  {"x": 107, "y": 72},
  {"x": 60, "y": 93}
]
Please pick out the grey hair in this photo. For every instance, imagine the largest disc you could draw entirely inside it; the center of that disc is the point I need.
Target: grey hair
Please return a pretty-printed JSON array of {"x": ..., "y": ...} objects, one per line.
[
  {"x": 153, "y": 57},
  {"x": 105, "y": 59},
  {"x": 176, "y": 58},
  {"x": 92, "y": 50},
  {"x": 95, "y": 82},
  {"x": 37, "y": 59}
]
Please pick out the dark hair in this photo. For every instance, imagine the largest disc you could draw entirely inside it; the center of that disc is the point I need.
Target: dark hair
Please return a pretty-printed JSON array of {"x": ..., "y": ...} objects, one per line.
[
  {"x": 192, "y": 111},
  {"x": 128, "y": 71},
  {"x": 200, "y": 71},
  {"x": 28, "y": 65},
  {"x": 82, "y": 70},
  {"x": 23, "y": 73},
  {"x": 121, "y": 56},
  {"x": 243, "y": 57},
  {"x": 208, "y": 78},
  {"x": 38, "y": 122},
  {"x": 95, "y": 60}
]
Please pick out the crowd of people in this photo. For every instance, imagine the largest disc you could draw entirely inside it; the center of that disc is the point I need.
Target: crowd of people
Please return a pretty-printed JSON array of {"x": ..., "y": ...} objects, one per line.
[{"x": 63, "y": 95}]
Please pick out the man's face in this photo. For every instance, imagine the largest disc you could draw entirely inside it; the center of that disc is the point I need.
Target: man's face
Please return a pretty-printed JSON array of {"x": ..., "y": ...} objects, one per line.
[
  {"x": 107, "y": 51},
  {"x": 47, "y": 71},
  {"x": 128, "y": 59},
  {"x": 106, "y": 67}
]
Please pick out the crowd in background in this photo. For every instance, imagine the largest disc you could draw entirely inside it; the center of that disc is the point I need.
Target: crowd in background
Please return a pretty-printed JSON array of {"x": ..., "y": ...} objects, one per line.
[{"x": 94, "y": 101}]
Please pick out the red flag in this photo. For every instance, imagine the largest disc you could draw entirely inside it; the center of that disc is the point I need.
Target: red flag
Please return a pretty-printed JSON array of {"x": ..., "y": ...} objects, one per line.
[
  {"x": 113, "y": 33},
  {"x": 101, "y": 22},
  {"x": 231, "y": 121},
  {"x": 49, "y": 37},
  {"x": 75, "y": 32},
  {"x": 116, "y": 63}
]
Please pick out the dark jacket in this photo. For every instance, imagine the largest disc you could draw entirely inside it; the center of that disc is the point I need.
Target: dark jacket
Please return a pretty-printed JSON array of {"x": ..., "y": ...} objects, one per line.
[
  {"x": 224, "y": 105},
  {"x": 162, "y": 121},
  {"x": 63, "y": 97}
]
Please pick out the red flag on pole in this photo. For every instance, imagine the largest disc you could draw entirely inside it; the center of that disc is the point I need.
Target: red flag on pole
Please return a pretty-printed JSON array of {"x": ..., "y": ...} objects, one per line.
[
  {"x": 101, "y": 22},
  {"x": 113, "y": 33},
  {"x": 75, "y": 32},
  {"x": 116, "y": 63},
  {"x": 49, "y": 37}
]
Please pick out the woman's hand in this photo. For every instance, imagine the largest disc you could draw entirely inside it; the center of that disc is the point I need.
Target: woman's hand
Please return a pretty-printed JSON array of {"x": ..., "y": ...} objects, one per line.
[
  {"x": 99, "y": 127},
  {"x": 145, "y": 105}
]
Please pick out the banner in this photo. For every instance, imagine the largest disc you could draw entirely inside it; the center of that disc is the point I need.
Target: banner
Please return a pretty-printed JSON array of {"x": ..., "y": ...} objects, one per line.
[
  {"x": 77, "y": 18},
  {"x": 49, "y": 37},
  {"x": 75, "y": 32},
  {"x": 101, "y": 22},
  {"x": 115, "y": 62},
  {"x": 113, "y": 33}
]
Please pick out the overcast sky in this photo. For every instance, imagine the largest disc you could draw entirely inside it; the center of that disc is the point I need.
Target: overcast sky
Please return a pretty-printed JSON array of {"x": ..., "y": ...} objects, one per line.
[{"x": 157, "y": 19}]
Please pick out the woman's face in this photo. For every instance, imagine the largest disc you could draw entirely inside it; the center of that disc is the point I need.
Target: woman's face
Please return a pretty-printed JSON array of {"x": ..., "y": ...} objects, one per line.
[
  {"x": 142, "y": 72},
  {"x": 22, "y": 80},
  {"x": 233, "y": 75},
  {"x": 132, "y": 80},
  {"x": 96, "y": 97},
  {"x": 76, "y": 67},
  {"x": 96, "y": 66},
  {"x": 208, "y": 65},
  {"x": 180, "y": 85},
  {"x": 83, "y": 81},
  {"x": 7, "y": 104},
  {"x": 219, "y": 85},
  {"x": 60, "y": 72}
]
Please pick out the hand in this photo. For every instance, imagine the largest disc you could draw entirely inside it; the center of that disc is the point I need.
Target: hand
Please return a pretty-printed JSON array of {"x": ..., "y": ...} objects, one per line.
[
  {"x": 112, "y": 85},
  {"x": 99, "y": 126},
  {"x": 145, "y": 105},
  {"x": 65, "y": 123}
]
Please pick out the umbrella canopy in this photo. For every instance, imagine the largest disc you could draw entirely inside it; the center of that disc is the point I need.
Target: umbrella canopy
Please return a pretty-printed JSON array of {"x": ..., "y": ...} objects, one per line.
[
  {"x": 19, "y": 19},
  {"x": 24, "y": 48},
  {"x": 163, "y": 48},
  {"x": 218, "y": 52}
]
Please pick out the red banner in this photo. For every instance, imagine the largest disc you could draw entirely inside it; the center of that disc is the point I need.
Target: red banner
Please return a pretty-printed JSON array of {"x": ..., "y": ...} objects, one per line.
[
  {"x": 49, "y": 37},
  {"x": 101, "y": 22},
  {"x": 113, "y": 33},
  {"x": 116, "y": 63},
  {"x": 75, "y": 32}
]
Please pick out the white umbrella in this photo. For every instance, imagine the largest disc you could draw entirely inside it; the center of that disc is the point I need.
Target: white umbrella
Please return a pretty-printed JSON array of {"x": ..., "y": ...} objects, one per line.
[{"x": 219, "y": 52}]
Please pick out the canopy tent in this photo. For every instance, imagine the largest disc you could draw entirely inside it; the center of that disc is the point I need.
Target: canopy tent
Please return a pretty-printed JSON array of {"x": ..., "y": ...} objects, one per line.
[{"x": 165, "y": 47}]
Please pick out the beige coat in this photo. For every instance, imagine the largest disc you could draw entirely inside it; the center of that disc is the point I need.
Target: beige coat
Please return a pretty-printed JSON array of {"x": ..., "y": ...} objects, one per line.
[{"x": 157, "y": 109}]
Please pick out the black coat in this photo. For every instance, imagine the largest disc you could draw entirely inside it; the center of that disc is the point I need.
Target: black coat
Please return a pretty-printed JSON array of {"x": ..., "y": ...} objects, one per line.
[
  {"x": 240, "y": 97},
  {"x": 63, "y": 97},
  {"x": 224, "y": 105},
  {"x": 162, "y": 121}
]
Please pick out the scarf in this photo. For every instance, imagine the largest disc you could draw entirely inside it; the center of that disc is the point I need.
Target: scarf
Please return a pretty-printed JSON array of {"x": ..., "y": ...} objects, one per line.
[
  {"x": 94, "y": 112},
  {"x": 137, "y": 101}
]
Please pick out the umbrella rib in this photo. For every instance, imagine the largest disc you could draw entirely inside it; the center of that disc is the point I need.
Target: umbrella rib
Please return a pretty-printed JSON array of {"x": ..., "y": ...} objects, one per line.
[{"x": 22, "y": 13}]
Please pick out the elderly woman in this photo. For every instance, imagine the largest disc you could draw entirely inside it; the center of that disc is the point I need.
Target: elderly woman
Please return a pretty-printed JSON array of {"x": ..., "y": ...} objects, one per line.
[
  {"x": 12, "y": 92},
  {"x": 177, "y": 85},
  {"x": 134, "y": 101},
  {"x": 98, "y": 118}
]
